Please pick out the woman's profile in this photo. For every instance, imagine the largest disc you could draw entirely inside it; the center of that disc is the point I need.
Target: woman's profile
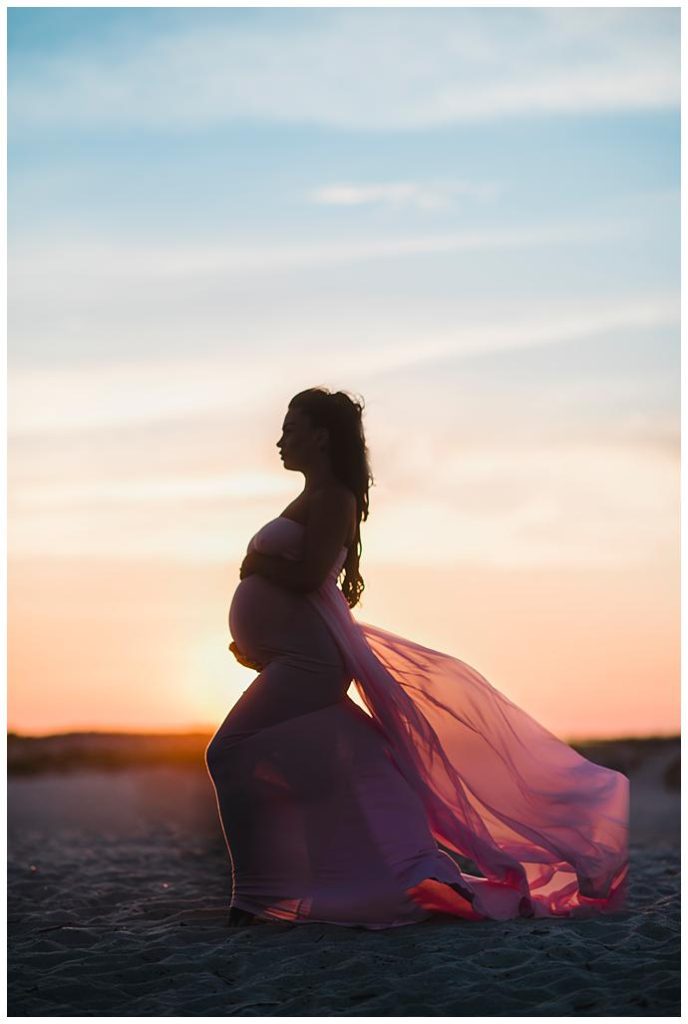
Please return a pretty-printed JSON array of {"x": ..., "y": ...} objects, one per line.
[{"x": 443, "y": 798}]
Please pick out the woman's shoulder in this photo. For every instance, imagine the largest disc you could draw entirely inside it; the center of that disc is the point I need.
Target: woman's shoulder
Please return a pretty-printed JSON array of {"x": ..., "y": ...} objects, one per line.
[{"x": 337, "y": 493}]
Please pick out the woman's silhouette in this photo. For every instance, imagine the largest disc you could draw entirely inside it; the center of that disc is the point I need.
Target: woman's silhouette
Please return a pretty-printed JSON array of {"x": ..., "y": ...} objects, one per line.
[{"x": 444, "y": 798}]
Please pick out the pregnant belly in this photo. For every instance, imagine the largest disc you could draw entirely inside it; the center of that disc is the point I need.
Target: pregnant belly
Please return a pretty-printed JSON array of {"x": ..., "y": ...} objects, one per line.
[
  {"x": 267, "y": 621},
  {"x": 260, "y": 616}
]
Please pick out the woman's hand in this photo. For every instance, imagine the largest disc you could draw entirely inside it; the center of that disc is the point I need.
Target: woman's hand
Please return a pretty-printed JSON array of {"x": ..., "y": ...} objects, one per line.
[{"x": 243, "y": 660}]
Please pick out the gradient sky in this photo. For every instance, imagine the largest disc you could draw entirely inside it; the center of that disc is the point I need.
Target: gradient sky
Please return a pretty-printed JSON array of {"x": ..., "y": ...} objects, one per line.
[{"x": 469, "y": 217}]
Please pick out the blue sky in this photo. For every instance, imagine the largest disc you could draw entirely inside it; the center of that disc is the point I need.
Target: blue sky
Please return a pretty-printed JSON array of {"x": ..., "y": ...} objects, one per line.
[{"x": 293, "y": 131}]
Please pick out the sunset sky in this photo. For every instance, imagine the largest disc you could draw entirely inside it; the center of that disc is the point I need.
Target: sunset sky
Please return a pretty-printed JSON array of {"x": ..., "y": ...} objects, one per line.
[{"x": 469, "y": 218}]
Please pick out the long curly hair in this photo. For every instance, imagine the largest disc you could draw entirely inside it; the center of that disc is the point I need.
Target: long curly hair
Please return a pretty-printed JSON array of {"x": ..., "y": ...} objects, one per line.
[{"x": 343, "y": 418}]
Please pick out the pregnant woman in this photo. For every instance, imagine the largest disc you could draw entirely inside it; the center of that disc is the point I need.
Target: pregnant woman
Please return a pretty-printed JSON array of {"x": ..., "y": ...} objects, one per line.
[{"x": 442, "y": 797}]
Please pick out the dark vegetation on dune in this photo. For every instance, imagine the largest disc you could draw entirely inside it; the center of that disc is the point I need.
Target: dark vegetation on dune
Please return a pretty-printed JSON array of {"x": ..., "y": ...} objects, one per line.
[
  {"x": 27, "y": 755},
  {"x": 630, "y": 754}
]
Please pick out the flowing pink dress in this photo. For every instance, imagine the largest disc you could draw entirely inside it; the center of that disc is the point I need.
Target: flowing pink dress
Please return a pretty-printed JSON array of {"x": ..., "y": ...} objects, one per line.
[{"x": 443, "y": 798}]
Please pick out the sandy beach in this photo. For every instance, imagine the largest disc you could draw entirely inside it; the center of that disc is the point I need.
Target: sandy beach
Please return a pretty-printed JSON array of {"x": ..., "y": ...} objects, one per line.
[{"x": 119, "y": 884}]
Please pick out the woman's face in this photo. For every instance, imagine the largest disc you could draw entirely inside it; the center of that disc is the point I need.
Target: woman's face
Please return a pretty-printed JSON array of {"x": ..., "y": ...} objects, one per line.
[{"x": 299, "y": 441}]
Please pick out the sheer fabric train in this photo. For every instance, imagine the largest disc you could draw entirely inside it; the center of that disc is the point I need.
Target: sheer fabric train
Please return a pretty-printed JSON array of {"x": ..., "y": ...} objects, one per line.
[{"x": 445, "y": 798}]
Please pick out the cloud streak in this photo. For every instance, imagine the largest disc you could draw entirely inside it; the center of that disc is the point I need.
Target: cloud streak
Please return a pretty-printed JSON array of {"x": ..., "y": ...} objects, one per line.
[
  {"x": 423, "y": 195},
  {"x": 396, "y": 69},
  {"x": 87, "y": 397},
  {"x": 507, "y": 506},
  {"x": 93, "y": 259}
]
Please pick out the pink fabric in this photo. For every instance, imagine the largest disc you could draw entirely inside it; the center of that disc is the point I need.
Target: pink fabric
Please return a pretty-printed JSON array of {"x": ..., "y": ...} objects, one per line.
[{"x": 335, "y": 816}]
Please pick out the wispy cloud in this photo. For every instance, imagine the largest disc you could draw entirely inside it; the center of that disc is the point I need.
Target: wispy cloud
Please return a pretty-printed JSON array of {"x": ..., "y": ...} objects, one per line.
[
  {"x": 93, "y": 260},
  {"x": 425, "y": 195},
  {"x": 134, "y": 491},
  {"x": 393, "y": 69},
  {"x": 87, "y": 397},
  {"x": 512, "y": 505}
]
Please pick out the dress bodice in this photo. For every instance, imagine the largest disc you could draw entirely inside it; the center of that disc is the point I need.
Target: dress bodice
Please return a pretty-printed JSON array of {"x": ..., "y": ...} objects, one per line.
[{"x": 283, "y": 536}]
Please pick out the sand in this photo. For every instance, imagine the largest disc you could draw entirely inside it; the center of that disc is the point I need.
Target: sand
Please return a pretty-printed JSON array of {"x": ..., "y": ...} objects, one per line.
[{"x": 119, "y": 884}]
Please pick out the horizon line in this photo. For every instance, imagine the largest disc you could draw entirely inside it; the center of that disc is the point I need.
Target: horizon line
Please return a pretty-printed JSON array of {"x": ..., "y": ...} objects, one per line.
[{"x": 210, "y": 730}]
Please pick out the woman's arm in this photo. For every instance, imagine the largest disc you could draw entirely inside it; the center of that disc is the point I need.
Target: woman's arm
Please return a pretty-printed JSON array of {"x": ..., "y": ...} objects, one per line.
[
  {"x": 284, "y": 572},
  {"x": 329, "y": 516}
]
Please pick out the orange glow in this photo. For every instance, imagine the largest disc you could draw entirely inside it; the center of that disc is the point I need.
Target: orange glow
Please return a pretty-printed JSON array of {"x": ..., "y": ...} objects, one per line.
[{"x": 143, "y": 645}]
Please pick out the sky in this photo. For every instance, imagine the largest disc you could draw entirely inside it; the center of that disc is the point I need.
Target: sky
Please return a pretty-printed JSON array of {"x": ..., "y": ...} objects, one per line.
[{"x": 468, "y": 217}]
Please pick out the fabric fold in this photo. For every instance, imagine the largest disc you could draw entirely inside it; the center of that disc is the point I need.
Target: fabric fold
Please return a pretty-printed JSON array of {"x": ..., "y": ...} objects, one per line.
[{"x": 547, "y": 828}]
